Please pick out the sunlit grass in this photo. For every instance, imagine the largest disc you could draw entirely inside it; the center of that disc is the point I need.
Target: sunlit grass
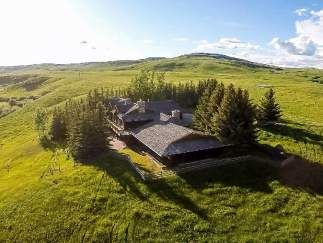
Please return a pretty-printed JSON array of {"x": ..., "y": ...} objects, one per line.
[
  {"x": 142, "y": 161},
  {"x": 55, "y": 199}
]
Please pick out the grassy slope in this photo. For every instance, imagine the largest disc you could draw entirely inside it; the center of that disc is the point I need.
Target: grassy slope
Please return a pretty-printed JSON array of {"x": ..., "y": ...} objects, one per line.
[{"x": 47, "y": 197}]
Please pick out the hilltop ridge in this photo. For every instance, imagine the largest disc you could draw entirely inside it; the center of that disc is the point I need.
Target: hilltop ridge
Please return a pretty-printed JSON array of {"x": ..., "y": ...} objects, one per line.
[{"x": 157, "y": 63}]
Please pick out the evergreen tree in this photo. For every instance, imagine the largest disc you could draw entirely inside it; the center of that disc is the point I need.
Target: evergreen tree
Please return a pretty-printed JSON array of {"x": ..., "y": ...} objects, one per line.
[
  {"x": 269, "y": 110},
  {"x": 88, "y": 132},
  {"x": 76, "y": 139},
  {"x": 214, "y": 104},
  {"x": 40, "y": 120},
  {"x": 58, "y": 128},
  {"x": 150, "y": 85},
  {"x": 235, "y": 122},
  {"x": 201, "y": 117}
]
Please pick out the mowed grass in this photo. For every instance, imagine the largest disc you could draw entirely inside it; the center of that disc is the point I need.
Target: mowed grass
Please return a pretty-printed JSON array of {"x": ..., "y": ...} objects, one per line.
[{"x": 47, "y": 197}]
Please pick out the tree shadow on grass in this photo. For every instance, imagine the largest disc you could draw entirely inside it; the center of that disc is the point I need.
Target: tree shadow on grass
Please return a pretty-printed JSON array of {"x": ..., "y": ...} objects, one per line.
[
  {"x": 296, "y": 133},
  {"x": 302, "y": 174},
  {"x": 171, "y": 192},
  {"x": 294, "y": 172},
  {"x": 117, "y": 166},
  {"x": 250, "y": 175},
  {"x": 120, "y": 170}
]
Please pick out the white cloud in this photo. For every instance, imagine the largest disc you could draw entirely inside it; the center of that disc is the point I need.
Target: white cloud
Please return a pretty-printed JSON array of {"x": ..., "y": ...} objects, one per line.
[
  {"x": 274, "y": 57},
  {"x": 312, "y": 27},
  {"x": 309, "y": 37},
  {"x": 301, "y": 45},
  {"x": 225, "y": 44},
  {"x": 181, "y": 39},
  {"x": 305, "y": 49},
  {"x": 301, "y": 11}
]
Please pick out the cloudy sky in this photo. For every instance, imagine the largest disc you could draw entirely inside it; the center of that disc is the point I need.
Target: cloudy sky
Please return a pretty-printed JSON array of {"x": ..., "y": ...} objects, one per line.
[{"x": 285, "y": 33}]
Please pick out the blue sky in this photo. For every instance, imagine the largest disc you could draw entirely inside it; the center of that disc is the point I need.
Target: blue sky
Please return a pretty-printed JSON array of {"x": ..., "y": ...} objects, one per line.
[{"x": 287, "y": 33}]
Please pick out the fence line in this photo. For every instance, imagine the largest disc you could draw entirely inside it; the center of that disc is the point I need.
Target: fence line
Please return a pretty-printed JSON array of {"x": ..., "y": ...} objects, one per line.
[{"x": 195, "y": 166}]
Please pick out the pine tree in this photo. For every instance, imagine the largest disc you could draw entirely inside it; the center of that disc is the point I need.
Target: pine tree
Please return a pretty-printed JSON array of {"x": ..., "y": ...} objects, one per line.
[
  {"x": 76, "y": 139},
  {"x": 269, "y": 110},
  {"x": 214, "y": 104},
  {"x": 235, "y": 122},
  {"x": 40, "y": 120},
  {"x": 88, "y": 132},
  {"x": 58, "y": 128},
  {"x": 201, "y": 117}
]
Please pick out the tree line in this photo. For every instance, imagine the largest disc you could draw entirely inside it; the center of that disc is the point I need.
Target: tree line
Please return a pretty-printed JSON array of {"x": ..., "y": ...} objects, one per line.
[
  {"x": 149, "y": 85},
  {"x": 79, "y": 126}
]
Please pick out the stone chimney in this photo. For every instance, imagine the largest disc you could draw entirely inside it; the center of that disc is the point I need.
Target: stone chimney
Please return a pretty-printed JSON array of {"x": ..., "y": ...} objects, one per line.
[
  {"x": 176, "y": 114},
  {"x": 141, "y": 106}
]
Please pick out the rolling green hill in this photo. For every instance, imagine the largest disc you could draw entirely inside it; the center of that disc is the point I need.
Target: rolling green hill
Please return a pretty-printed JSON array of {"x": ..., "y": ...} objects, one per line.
[{"x": 46, "y": 196}]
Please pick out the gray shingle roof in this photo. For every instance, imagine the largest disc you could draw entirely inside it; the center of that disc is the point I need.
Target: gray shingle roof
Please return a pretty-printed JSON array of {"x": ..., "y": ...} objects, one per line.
[
  {"x": 164, "y": 106},
  {"x": 129, "y": 110},
  {"x": 126, "y": 106},
  {"x": 169, "y": 139},
  {"x": 122, "y": 104},
  {"x": 164, "y": 134}
]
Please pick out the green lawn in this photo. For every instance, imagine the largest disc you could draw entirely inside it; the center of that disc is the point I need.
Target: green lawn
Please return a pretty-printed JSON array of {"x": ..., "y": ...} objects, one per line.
[
  {"x": 142, "y": 161},
  {"x": 52, "y": 198}
]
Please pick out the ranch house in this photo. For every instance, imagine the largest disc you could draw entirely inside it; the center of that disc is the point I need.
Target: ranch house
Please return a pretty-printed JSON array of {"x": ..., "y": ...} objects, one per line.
[{"x": 161, "y": 129}]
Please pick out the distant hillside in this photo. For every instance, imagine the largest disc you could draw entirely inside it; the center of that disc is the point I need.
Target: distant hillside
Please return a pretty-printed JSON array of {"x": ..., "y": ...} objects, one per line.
[
  {"x": 196, "y": 61},
  {"x": 233, "y": 60},
  {"x": 206, "y": 63},
  {"x": 76, "y": 66}
]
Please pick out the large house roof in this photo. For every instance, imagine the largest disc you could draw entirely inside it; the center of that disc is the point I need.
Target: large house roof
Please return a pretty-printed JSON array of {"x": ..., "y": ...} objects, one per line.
[
  {"x": 167, "y": 138},
  {"x": 163, "y": 133},
  {"x": 164, "y": 106},
  {"x": 129, "y": 111}
]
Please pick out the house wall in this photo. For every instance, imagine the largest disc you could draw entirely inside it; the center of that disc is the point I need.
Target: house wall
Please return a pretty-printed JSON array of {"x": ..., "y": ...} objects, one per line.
[
  {"x": 135, "y": 124},
  {"x": 197, "y": 155}
]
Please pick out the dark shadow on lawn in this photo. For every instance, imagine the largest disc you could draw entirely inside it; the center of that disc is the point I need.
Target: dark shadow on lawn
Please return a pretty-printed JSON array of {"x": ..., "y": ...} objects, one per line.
[
  {"x": 117, "y": 166},
  {"x": 305, "y": 175},
  {"x": 120, "y": 170},
  {"x": 295, "y": 172},
  {"x": 172, "y": 193},
  {"x": 250, "y": 175},
  {"x": 296, "y": 133}
]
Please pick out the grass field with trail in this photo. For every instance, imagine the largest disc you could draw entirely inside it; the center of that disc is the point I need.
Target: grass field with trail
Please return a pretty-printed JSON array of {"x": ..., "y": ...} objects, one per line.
[{"x": 46, "y": 196}]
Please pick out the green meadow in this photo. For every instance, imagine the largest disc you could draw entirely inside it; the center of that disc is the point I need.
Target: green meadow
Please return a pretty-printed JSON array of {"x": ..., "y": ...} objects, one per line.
[{"x": 48, "y": 197}]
